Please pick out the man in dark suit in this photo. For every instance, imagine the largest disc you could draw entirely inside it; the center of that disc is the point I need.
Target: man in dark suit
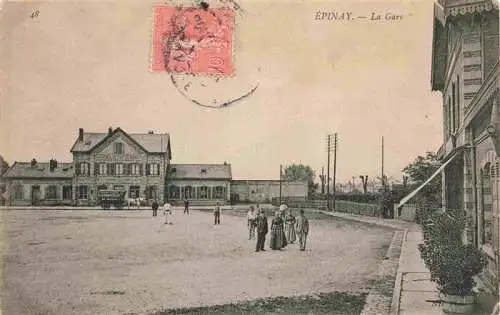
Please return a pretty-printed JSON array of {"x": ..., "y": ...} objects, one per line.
[
  {"x": 154, "y": 206},
  {"x": 186, "y": 206},
  {"x": 261, "y": 231}
]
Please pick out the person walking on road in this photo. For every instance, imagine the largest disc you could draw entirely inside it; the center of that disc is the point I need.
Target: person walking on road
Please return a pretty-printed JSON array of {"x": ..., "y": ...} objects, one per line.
[
  {"x": 217, "y": 214},
  {"x": 186, "y": 206},
  {"x": 290, "y": 228},
  {"x": 261, "y": 226},
  {"x": 251, "y": 216},
  {"x": 302, "y": 227},
  {"x": 167, "y": 211},
  {"x": 155, "y": 206}
]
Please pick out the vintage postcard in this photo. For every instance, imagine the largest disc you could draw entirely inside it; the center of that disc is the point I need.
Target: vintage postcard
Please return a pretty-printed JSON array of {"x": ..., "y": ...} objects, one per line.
[{"x": 249, "y": 157}]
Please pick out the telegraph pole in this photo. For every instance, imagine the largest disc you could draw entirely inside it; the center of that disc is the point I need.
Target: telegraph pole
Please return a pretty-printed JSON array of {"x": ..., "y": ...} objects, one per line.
[
  {"x": 383, "y": 179},
  {"x": 334, "y": 168},
  {"x": 329, "y": 148},
  {"x": 323, "y": 181},
  {"x": 281, "y": 172}
]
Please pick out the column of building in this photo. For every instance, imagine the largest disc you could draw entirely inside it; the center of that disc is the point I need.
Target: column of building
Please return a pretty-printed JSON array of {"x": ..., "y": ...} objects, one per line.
[{"x": 469, "y": 204}]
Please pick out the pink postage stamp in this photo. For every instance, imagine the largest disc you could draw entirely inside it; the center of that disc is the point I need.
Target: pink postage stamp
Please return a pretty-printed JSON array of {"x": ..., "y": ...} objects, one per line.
[{"x": 193, "y": 40}]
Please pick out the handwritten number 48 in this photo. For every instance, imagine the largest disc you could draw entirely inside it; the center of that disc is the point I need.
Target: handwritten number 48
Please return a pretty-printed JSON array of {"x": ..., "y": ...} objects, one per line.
[{"x": 35, "y": 14}]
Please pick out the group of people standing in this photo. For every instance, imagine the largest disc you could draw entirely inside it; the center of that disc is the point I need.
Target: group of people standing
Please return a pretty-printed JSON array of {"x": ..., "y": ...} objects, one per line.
[
  {"x": 284, "y": 228},
  {"x": 168, "y": 209}
]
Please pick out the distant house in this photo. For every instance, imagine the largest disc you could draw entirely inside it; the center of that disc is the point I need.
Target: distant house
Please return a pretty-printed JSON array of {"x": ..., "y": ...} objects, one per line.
[
  {"x": 264, "y": 191},
  {"x": 202, "y": 184},
  {"x": 136, "y": 163},
  {"x": 34, "y": 183}
]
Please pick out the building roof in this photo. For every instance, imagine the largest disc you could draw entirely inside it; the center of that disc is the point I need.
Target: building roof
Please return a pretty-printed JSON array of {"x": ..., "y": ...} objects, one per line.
[
  {"x": 149, "y": 142},
  {"x": 200, "y": 171},
  {"x": 39, "y": 170}
]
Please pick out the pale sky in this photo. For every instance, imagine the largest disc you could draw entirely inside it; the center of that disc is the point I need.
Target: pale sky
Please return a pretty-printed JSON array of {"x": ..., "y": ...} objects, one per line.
[{"x": 86, "y": 64}]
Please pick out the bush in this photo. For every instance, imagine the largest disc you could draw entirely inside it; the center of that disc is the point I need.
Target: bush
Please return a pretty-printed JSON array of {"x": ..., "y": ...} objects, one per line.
[
  {"x": 425, "y": 210},
  {"x": 452, "y": 264}
]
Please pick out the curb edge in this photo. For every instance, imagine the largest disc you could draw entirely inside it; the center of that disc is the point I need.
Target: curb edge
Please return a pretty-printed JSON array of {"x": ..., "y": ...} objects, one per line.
[{"x": 398, "y": 283}]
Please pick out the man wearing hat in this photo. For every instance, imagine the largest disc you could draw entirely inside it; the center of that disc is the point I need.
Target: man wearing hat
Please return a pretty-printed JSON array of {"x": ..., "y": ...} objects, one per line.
[
  {"x": 302, "y": 229},
  {"x": 261, "y": 223}
]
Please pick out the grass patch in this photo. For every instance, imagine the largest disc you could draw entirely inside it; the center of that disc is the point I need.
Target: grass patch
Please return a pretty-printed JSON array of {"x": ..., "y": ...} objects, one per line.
[
  {"x": 323, "y": 303},
  {"x": 383, "y": 284},
  {"x": 383, "y": 250}
]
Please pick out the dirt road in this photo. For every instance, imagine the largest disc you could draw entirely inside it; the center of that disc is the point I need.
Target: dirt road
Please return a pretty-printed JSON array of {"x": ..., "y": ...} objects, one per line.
[{"x": 96, "y": 262}]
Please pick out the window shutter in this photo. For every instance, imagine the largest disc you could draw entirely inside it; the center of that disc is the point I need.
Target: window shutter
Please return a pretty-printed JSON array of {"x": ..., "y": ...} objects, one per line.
[
  {"x": 147, "y": 169},
  {"x": 88, "y": 169}
]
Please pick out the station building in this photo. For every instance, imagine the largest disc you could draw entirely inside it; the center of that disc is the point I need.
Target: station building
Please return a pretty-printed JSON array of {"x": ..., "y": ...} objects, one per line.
[{"x": 138, "y": 163}]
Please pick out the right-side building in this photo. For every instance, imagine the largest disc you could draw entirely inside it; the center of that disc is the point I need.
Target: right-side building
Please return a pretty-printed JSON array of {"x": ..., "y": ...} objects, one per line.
[{"x": 465, "y": 69}]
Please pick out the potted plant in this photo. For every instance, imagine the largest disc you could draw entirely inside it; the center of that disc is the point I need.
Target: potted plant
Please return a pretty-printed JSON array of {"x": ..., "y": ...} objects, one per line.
[{"x": 451, "y": 263}]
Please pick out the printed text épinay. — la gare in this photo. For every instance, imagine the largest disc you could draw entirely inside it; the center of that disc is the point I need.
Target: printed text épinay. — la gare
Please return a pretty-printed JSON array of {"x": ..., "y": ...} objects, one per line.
[{"x": 346, "y": 16}]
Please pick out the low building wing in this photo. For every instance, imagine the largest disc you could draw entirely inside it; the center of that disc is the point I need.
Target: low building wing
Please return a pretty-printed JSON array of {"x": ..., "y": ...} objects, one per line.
[{"x": 200, "y": 171}]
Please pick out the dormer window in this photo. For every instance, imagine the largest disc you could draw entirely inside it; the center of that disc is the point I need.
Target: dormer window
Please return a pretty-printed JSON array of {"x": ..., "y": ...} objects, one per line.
[
  {"x": 118, "y": 148},
  {"x": 203, "y": 170}
]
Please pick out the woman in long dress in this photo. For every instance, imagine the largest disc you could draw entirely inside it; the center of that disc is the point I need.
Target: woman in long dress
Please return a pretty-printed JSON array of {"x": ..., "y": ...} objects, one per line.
[
  {"x": 278, "y": 240},
  {"x": 290, "y": 228}
]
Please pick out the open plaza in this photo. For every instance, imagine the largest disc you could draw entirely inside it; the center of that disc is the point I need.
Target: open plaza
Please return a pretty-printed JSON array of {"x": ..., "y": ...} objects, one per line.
[{"x": 128, "y": 262}]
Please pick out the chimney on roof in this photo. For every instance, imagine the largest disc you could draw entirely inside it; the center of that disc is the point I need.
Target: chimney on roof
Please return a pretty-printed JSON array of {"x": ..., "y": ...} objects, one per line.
[
  {"x": 110, "y": 130},
  {"x": 52, "y": 164},
  {"x": 151, "y": 132},
  {"x": 33, "y": 162},
  {"x": 80, "y": 134}
]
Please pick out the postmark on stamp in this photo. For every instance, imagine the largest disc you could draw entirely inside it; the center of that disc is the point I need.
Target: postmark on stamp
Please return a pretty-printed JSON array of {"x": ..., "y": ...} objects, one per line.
[{"x": 193, "y": 40}]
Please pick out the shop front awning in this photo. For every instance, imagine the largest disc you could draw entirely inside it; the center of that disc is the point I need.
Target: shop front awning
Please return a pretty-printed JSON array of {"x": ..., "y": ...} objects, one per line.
[{"x": 439, "y": 170}]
